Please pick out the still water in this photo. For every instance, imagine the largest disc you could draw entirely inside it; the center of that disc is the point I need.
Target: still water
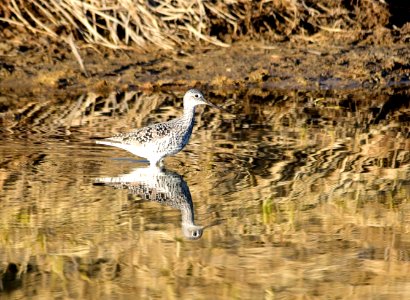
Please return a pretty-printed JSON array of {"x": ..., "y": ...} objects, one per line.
[{"x": 291, "y": 195}]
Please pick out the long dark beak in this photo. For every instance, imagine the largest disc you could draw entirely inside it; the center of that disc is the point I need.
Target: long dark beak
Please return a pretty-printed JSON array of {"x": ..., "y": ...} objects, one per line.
[{"x": 214, "y": 106}]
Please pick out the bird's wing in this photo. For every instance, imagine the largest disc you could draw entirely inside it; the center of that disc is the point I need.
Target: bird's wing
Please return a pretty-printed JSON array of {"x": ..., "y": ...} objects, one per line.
[{"x": 142, "y": 135}]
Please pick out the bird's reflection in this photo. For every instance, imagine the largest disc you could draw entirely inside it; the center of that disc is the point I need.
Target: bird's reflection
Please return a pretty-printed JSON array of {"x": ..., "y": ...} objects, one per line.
[{"x": 162, "y": 186}]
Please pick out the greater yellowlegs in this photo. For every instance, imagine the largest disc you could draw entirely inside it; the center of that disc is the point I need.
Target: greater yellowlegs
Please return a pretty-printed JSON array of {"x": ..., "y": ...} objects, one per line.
[{"x": 156, "y": 141}]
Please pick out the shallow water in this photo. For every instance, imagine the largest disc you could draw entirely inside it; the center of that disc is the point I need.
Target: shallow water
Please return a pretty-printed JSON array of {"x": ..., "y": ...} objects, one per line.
[{"x": 292, "y": 195}]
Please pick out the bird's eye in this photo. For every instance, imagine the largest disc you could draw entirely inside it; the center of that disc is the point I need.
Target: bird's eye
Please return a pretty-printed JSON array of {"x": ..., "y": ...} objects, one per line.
[{"x": 196, "y": 95}]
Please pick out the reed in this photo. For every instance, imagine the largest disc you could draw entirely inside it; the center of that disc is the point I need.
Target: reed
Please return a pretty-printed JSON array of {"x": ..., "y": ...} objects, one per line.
[{"x": 131, "y": 24}]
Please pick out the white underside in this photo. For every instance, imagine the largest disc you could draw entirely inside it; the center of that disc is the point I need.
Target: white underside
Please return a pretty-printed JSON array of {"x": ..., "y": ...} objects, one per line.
[{"x": 148, "y": 151}]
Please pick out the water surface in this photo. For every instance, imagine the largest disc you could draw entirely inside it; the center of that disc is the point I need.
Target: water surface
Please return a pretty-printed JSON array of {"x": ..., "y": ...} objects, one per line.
[{"x": 292, "y": 195}]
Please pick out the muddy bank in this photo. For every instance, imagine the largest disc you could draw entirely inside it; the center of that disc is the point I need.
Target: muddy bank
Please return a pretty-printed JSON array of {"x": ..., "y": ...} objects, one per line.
[
  {"x": 48, "y": 49},
  {"x": 44, "y": 70}
]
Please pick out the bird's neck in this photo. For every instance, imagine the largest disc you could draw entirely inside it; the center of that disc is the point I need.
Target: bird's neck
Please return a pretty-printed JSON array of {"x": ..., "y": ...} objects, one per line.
[{"x": 189, "y": 112}]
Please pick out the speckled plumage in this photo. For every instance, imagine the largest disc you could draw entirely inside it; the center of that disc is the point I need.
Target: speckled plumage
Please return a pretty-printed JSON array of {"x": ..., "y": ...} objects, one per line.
[{"x": 157, "y": 141}]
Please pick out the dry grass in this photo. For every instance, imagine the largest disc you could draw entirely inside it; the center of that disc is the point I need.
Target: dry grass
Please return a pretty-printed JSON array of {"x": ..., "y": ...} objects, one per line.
[{"x": 168, "y": 24}]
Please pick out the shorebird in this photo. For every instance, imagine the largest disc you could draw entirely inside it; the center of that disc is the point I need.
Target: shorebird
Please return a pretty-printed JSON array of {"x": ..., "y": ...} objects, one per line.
[{"x": 157, "y": 141}]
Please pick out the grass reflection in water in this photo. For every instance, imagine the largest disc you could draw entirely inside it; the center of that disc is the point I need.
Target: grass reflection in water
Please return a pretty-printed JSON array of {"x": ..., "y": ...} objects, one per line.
[{"x": 308, "y": 194}]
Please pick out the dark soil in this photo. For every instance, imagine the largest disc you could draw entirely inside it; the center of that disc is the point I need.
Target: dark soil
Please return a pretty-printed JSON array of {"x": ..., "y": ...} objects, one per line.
[{"x": 43, "y": 70}]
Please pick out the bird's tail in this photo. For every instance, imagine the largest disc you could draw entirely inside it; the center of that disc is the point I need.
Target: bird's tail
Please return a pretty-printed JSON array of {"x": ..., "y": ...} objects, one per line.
[{"x": 107, "y": 142}]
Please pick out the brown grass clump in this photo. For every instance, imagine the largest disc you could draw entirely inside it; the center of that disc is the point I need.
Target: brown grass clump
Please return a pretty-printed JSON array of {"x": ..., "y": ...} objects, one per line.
[
  {"x": 169, "y": 24},
  {"x": 115, "y": 23}
]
